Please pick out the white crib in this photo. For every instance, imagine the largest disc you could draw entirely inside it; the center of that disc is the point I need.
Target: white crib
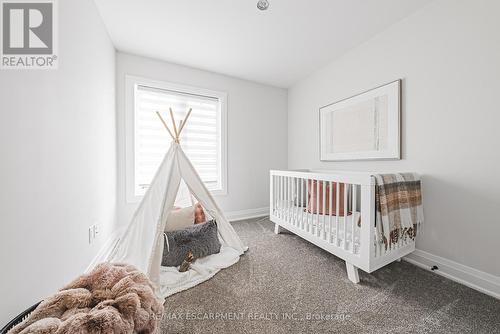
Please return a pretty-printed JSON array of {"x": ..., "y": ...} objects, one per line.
[{"x": 350, "y": 236}]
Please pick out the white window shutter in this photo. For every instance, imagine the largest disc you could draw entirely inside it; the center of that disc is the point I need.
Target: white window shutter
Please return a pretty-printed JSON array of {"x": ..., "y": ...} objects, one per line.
[{"x": 200, "y": 139}]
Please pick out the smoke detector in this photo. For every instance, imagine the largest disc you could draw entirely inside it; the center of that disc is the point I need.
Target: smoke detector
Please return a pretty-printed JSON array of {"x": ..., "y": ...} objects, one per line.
[{"x": 263, "y": 4}]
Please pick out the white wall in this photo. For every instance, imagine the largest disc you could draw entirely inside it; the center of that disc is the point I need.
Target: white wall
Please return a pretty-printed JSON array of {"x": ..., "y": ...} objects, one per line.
[
  {"x": 58, "y": 161},
  {"x": 257, "y": 132},
  {"x": 448, "y": 57}
]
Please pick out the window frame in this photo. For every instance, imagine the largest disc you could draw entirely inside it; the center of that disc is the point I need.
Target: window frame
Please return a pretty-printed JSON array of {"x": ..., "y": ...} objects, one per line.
[{"x": 131, "y": 84}]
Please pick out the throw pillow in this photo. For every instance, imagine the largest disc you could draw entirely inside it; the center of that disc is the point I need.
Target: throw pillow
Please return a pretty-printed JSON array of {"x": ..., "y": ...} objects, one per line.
[
  {"x": 179, "y": 219},
  {"x": 201, "y": 240}
]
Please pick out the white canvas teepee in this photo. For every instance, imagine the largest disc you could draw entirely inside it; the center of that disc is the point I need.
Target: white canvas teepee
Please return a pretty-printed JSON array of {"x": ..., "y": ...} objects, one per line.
[{"x": 141, "y": 244}]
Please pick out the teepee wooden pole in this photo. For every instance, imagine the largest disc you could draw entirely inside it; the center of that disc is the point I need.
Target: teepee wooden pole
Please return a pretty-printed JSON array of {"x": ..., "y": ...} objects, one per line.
[
  {"x": 180, "y": 127},
  {"x": 175, "y": 126},
  {"x": 165, "y": 125},
  {"x": 185, "y": 120}
]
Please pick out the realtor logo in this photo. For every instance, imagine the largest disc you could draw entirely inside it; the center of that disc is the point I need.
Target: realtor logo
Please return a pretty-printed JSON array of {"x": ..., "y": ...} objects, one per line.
[{"x": 28, "y": 34}]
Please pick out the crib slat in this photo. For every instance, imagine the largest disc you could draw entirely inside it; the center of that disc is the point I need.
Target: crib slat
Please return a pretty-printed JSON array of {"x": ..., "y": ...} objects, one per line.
[
  {"x": 271, "y": 194},
  {"x": 299, "y": 193},
  {"x": 297, "y": 204},
  {"x": 275, "y": 191},
  {"x": 292, "y": 200},
  {"x": 354, "y": 209},
  {"x": 274, "y": 184},
  {"x": 337, "y": 212},
  {"x": 278, "y": 198},
  {"x": 299, "y": 199},
  {"x": 276, "y": 194},
  {"x": 330, "y": 213},
  {"x": 307, "y": 206},
  {"x": 285, "y": 197},
  {"x": 282, "y": 196},
  {"x": 317, "y": 205},
  {"x": 301, "y": 202},
  {"x": 311, "y": 223},
  {"x": 289, "y": 195},
  {"x": 346, "y": 190},
  {"x": 290, "y": 204},
  {"x": 310, "y": 214},
  {"x": 323, "y": 231}
]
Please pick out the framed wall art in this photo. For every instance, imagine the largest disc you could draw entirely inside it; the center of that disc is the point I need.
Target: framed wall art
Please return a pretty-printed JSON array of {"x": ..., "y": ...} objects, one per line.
[{"x": 362, "y": 127}]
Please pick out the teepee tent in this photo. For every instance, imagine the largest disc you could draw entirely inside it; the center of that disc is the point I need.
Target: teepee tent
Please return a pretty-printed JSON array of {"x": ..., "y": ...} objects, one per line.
[{"x": 142, "y": 242}]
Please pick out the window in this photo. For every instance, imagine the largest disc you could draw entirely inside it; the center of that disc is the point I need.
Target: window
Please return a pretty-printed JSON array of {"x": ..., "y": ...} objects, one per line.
[{"x": 203, "y": 138}]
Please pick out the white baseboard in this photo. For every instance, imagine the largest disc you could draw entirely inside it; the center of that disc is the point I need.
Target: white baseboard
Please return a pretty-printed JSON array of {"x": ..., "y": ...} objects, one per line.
[
  {"x": 246, "y": 214},
  {"x": 473, "y": 278}
]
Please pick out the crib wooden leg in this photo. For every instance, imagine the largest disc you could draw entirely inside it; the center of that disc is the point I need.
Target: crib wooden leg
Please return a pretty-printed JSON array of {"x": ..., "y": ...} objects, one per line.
[
  {"x": 352, "y": 273},
  {"x": 277, "y": 229}
]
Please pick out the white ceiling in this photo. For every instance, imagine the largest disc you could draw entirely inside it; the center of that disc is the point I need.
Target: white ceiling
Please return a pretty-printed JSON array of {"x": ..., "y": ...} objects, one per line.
[{"x": 277, "y": 47}]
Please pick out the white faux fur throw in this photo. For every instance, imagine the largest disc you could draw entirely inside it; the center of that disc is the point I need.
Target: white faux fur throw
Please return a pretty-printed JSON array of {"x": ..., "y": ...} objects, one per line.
[{"x": 113, "y": 298}]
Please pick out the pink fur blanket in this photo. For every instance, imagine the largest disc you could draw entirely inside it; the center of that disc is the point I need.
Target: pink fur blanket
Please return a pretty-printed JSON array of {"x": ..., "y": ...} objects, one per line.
[{"x": 113, "y": 298}]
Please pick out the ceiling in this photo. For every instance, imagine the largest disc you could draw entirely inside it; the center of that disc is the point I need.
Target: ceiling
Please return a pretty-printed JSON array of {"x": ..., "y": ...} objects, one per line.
[{"x": 276, "y": 47}]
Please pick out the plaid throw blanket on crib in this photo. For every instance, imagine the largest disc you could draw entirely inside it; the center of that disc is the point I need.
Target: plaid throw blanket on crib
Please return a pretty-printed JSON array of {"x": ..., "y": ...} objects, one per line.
[{"x": 398, "y": 204}]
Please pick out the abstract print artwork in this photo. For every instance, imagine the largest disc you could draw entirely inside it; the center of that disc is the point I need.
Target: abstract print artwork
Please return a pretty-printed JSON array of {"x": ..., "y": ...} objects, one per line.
[{"x": 365, "y": 126}]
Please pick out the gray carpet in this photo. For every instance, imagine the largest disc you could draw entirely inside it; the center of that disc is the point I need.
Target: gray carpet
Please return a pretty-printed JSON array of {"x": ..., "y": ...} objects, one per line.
[{"x": 284, "y": 284}]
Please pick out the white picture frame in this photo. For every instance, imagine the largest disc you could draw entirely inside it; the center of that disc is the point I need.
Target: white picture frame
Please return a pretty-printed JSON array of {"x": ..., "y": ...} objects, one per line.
[{"x": 363, "y": 127}]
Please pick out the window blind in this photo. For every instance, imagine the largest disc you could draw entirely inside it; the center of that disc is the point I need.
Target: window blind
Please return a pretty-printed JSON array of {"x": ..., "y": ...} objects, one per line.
[{"x": 200, "y": 139}]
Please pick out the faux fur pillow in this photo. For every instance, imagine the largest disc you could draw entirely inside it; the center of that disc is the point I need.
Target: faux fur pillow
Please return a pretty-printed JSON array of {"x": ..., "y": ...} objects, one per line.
[{"x": 200, "y": 239}]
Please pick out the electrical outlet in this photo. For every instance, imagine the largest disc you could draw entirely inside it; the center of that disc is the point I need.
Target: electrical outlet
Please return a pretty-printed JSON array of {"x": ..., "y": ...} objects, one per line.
[{"x": 91, "y": 234}]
